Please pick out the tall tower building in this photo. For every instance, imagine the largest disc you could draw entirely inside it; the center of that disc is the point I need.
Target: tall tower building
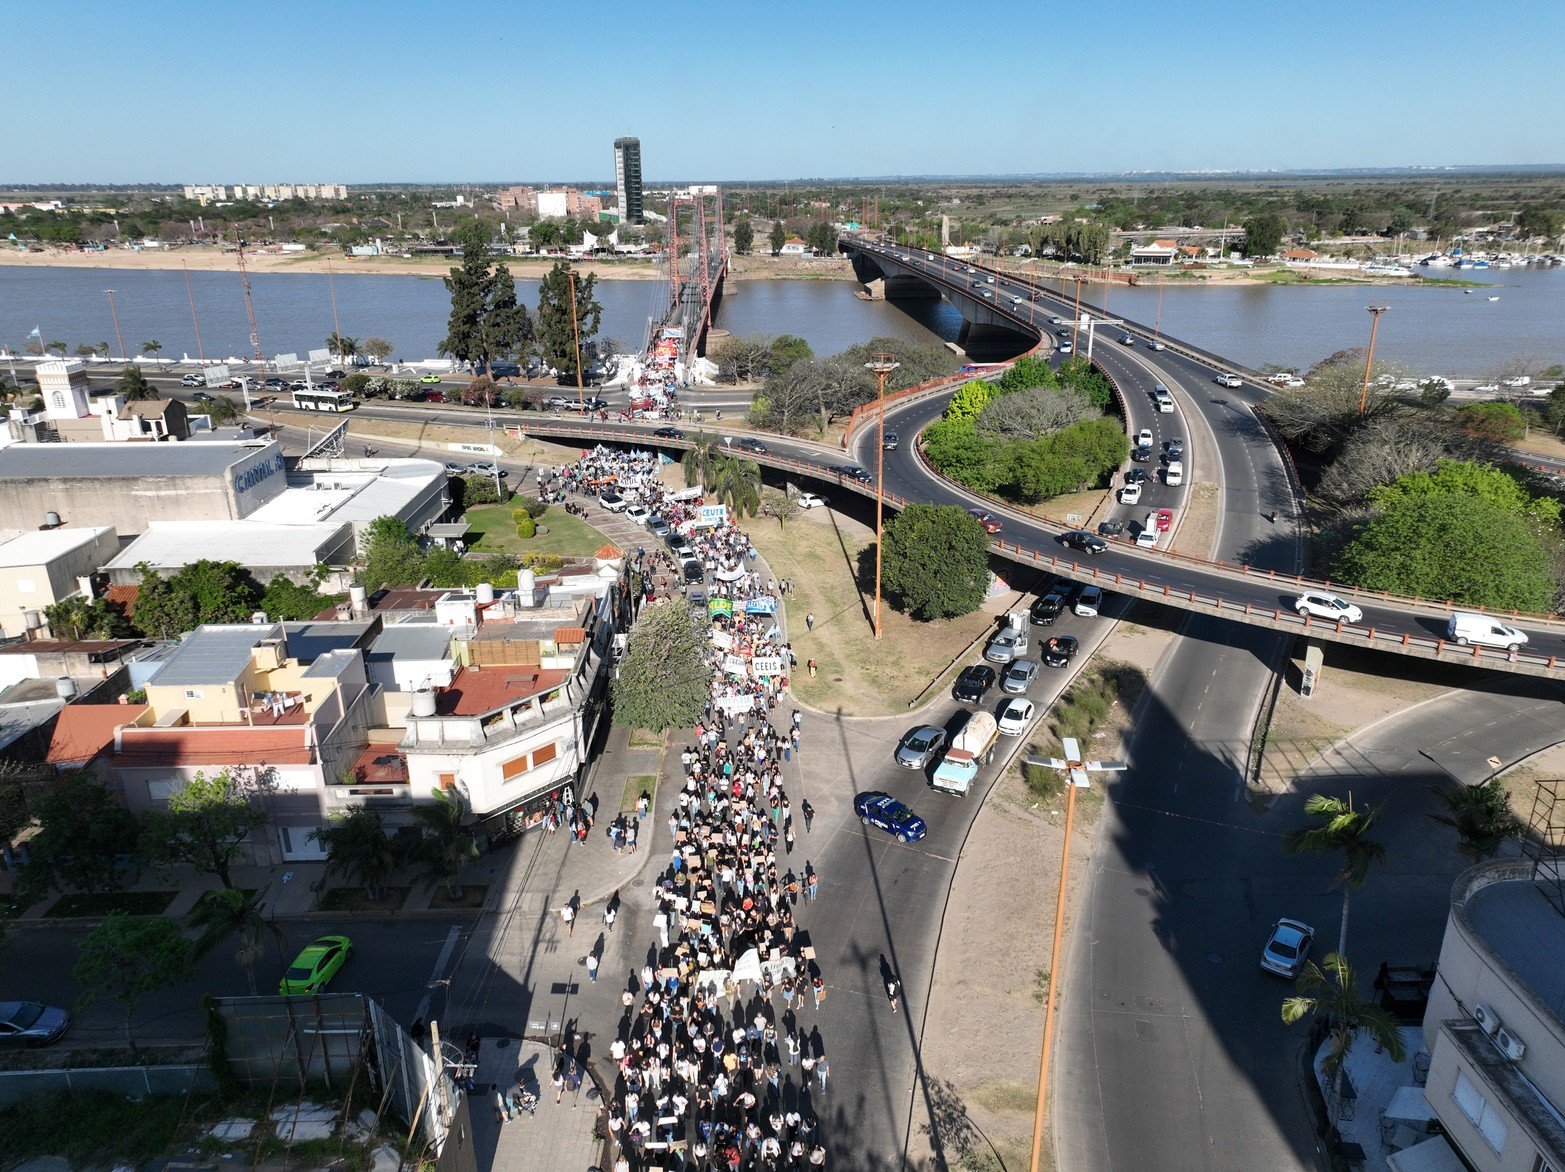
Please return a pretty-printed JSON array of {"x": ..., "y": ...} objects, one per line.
[{"x": 627, "y": 178}]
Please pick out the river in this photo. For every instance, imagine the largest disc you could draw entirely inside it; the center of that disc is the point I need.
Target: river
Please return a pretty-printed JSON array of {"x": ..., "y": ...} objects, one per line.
[{"x": 1437, "y": 330}]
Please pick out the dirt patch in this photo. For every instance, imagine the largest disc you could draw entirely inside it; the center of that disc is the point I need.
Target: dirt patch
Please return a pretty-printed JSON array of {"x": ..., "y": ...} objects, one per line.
[
  {"x": 1521, "y": 783},
  {"x": 822, "y": 553},
  {"x": 995, "y": 965},
  {"x": 1197, "y": 522}
]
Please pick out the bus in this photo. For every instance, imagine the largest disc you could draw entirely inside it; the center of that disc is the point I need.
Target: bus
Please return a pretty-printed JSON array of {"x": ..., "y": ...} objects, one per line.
[{"x": 333, "y": 401}]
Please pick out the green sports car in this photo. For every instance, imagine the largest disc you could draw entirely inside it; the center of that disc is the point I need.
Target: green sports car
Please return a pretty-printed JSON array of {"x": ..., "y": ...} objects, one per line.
[{"x": 316, "y": 965}]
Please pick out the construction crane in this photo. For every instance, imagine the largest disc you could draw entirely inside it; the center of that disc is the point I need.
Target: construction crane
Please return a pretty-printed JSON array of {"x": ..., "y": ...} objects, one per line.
[{"x": 255, "y": 331}]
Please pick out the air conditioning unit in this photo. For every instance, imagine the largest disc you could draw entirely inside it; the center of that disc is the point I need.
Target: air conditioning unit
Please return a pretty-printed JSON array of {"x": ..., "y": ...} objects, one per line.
[
  {"x": 1510, "y": 1044},
  {"x": 1486, "y": 1017}
]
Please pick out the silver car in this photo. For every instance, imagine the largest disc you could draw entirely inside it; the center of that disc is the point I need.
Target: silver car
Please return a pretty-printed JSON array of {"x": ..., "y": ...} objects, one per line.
[
  {"x": 28, "y": 1023},
  {"x": 1019, "y": 676},
  {"x": 1009, "y": 644},
  {"x": 919, "y": 746}
]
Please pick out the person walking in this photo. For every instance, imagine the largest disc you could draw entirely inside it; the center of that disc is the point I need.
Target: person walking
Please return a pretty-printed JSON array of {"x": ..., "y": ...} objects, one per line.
[
  {"x": 809, "y": 814},
  {"x": 893, "y": 991},
  {"x": 793, "y": 1045},
  {"x": 809, "y": 621},
  {"x": 788, "y": 838},
  {"x": 822, "y": 1069},
  {"x": 558, "y": 1081},
  {"x": 568, "y": 914},
  {"x": 502, "y": 1109},
  {"x": 592, "y": 970},
  {"x": 811, "y": 666},
  {"x": 812, "y": 883},
  {"x": 609, "y": 914}
]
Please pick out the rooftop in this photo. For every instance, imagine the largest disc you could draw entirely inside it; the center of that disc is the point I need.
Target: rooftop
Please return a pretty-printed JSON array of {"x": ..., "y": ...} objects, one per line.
[
  {"x": 32, "y": 549},
  {"x": 217, "y": 653},
  {"x": 308, "y": 641},
  {"x": 224, "y": 744},
  {"x": 1524, "y": 932},
  {"x": 109, "y": 461},
  {"x": 351, "y": 490},
  {"x": 411, "y": 640},
  {"x": 475, "y": 691},
  {"x": 172, "y": 545},
  {"x": 85, "y": 730}
]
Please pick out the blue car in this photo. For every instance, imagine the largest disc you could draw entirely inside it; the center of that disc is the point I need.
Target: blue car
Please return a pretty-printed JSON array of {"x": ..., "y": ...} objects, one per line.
[{"x": 888, "y": 814}]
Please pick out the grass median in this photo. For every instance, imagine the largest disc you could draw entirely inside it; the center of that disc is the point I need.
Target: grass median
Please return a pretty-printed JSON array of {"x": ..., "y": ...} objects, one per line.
[{"x": 568, "y": 536}]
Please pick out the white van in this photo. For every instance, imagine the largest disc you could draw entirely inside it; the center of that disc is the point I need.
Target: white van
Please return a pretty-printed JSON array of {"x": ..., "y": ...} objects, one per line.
[
  {"x": 1466, "y": 627},
  {"x": 1174, "y": 473}
]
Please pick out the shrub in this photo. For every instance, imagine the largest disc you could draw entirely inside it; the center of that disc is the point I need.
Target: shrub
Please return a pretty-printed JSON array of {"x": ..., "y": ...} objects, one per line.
[
  {"x": 526, "y": 527},
  {"x": 1044, "y": 782},
  {"x": 479, "y": 490}
]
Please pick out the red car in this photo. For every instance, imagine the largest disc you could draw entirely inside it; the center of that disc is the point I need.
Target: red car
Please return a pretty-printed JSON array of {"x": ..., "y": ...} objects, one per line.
[
  {"x": 1165, "y": 520},
  {"x": 985, "y": 519}
]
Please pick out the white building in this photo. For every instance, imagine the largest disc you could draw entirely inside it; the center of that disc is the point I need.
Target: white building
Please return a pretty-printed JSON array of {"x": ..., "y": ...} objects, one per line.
[{"x": 42, "y": 568}]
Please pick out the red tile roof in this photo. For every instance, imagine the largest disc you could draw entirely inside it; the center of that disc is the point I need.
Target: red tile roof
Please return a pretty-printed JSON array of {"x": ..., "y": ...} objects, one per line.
[
  {"x": 565, "y": 636},
  {"x": 228, "y": 744},
  {"x": 475, "y": 691},
  {"x": 85, "y": 730},
  {"x": 124, "y": 597},
  {"x": 607, "y": 553},
  {"x": 380, "y": 765}
]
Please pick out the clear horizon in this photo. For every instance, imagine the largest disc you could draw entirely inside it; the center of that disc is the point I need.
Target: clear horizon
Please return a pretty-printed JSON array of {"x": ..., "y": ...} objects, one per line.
[{"x": 351, "y": 92}]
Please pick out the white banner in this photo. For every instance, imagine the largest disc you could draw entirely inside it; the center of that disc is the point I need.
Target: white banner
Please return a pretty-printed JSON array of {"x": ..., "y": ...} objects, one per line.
[
  {"x": 730, "y": 575},
  {"x": 767, "y": 665},
  {"x": 478, "y": 449},
  {"x": 217, "y": 375},
  {"x": 721, "y": 639},
  {"x": 736, "y": 704},
  {"x": 737, "y": 664}
]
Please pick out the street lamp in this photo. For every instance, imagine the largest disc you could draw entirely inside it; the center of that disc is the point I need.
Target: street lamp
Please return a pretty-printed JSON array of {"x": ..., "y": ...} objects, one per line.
[
  {"x": 1369, "y": 359},
  {"x": 118, "y": 337},
  {"x": 880, "y": 365}
]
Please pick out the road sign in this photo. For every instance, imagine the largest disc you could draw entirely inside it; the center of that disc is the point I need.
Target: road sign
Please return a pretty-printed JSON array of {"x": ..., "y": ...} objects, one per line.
[
  {"x": 287, "y": 362},
  {"x": 217, "y": 375},
  {"x": 320, "y": 355}
]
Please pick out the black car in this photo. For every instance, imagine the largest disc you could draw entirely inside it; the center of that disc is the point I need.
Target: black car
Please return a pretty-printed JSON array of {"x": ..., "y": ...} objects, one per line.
[
  {"x": 1059, "y": 650},
  {"x": 1113, "y": 527},
  {"x": 1136, "y": 476},
  {"x": 1048, "y": 608},
  {"x": 890, "y": 442},
  {"x": 854, "y": 472},
  {"x": 202, "y": 397},
  {"x": 973, "y": 683},
  {"x": 1086, "y": 542},
  {"x": 751, "y": 444},
  {"x": 669, "y": 433},
  {"x": 1141, "y": 455}
]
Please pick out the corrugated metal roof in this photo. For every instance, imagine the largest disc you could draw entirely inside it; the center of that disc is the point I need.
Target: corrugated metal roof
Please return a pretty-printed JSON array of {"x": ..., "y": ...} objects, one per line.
[
  {"x": 213, "y": 654},
  {"x": 413, "y": 640},
  {"x": 101, "y": 461}
]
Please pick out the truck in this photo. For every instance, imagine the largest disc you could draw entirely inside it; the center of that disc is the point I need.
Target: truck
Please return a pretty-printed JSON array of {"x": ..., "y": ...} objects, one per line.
[{"x": 969, "y": 749}]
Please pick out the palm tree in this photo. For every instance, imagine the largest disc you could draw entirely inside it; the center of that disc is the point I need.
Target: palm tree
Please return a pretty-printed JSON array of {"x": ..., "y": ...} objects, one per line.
[
  {"x": 152, "y": 348},
  {"x": 346, "y": 347},
  {"x": 1345, "y": 829},
  {"x": 1334, "y": 1000},
  {"x": 1481, "y": 816},
  {"x": 446, "y": 846},
  {"x": 700, "y": 462},
  {"x": 56, "y": 347},
  {"x": 737, "y": 483},
  {"x": 357, "y": 845},
  {"x": 230, "y": 912}
]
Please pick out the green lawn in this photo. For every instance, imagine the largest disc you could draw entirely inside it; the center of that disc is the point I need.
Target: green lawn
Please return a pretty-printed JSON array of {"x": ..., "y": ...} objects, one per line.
[{"x": 568, "y": 536}]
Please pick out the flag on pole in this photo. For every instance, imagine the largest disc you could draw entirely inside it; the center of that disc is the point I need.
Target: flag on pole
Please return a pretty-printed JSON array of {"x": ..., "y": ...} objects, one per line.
[{"x": 37, "y": 332}]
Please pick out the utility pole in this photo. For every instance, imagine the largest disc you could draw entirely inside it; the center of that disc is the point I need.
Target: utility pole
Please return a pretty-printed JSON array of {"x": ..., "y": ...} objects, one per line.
[
  {"x": 336, "y": 322},
  {"x": 194, "y": 320},
  {"x": 1076, "y": 321},
  {"x": 1369, "y": 359},
  {"x": 880, "y": 365},
  {"x": 118, "y": 337}
]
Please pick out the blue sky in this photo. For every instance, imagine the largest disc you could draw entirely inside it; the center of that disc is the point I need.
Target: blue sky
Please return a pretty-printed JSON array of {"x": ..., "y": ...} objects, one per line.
[{"x": 414, "y": 90}]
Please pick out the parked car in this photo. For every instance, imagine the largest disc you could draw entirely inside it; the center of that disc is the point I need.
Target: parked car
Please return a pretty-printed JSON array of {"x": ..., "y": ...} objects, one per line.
[
  {"x": 30, "y": 1023},
  {"x": 973, "y": 683},
  {"x": 1144, "y": 438},
  {"x": 1165, "y": 520},
  {"x": 455, "y": 469},
  {"x": 1174, "y": 449},
  {"x": 1130, "y": 494},
  {"x": 638, "y": 513},
  {"x": 192, "y": 380},
  {"x": 1080, "y": 539},
  {"x": 919, "y": 746},
  {"x": 884, "y": 812},
  {"x": 1111, "y": 527},
  {"x": 275, "y": 384},
  {"x": 313, "y": 968},
  {"x": 1019, "y": 676},
  {"x": 1327, "y": 606},
  {"x": 1141, "y": 455},
  {"x": 661, "y": 433},
  {"x": 1059, "y": 650},
  {"x": 1015, "y": 715},
  {"x": 657, "y": 526},
  {"x": 1136, "y": 476},
  {"x": 1088, "y": 602},
  {"x": 557, "y": 403},
  {"x": 613, "y": 502},
  {"x": 808, "y": 500},
  {"x": 1287, "y": 948}
]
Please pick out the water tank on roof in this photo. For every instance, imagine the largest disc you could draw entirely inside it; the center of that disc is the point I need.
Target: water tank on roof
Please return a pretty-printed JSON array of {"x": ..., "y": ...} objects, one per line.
[
  {"x": 526, "y": 586},
  {"x": 34, "y": 619},
  {"x": 485, "y": 592},
  {"x": 65, "y": 688},
  {"x": 358, "y": 598},
  {"x": 258, "y": 618},
  {"x": 51, "y": 520},
  {"x": 423, "y": 703}
]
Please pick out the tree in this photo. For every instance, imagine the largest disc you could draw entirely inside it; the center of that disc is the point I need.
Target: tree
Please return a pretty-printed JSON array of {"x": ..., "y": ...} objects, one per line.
[
  {"x": 743, "y": 359},
  {"x": 702, "y": 460},
  {"x": 446, "y": 845},
  {"x": 202, "y": 592},
  {"x": 1452, "y": 546},
  {"x": 134, "y": 386},
  {"x": 1340, "y": 829},
  {"x": 486, "y": 321},
  {"x": 822, "y": 238},
  {"x": 780, "y": 505},
  {"x": 85, "y": 350},
  {"x": 1502, "y": 422},
  {"x": 358, "y": 846},
  {"x": 663, "y": 681},
  {"x": 777, "y": 237},
  {"x": 376, "y": 349},
  {"x": 152, "y": 348},
  {"x": 935, "y": 561},
  {"x": 220, "y": 914},
  {"x": 207, "y": 822},
  {"x": 788, "y": 349},
  {"x": 128, "y": 957},
  {"x": 285, "y": 600},
  {"x": 738, "y": 485},
  {"x": 1028, "y": 414},
  {"x": 76, "y": 618},
  {"x": 1481, "y": 816},
  {"x": 744, "y": 236},
  {"x": 345, "y": 347},
  {"x": 557, "y": 338},
  {"x": 221, "y": 409},
  {"x": 389, "y": 555},
  {"x": 1262, "y": 233},
  {"x": 57, "y": 348},
  {"x": 1535, "y": 222},
  {"x": 84, "y": 837},
  {"x": 1334, "y": 1001}
]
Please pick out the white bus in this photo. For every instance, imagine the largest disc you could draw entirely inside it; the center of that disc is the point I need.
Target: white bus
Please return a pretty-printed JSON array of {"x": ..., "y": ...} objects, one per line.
[{"x": 333, "y": 401}]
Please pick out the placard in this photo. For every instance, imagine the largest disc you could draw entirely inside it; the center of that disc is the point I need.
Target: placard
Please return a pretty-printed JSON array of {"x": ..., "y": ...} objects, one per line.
[
  {"x": 761, "y": 604},
  {"x": 721, "y": 639},
  {"x": 736, "y": 704},
  {"x": 767, "y": 665},
  {"x": 736, "y": 664}
]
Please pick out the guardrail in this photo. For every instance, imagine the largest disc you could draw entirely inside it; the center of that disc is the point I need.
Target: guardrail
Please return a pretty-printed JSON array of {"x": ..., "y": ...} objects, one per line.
[{"x": 623, "y": 433}]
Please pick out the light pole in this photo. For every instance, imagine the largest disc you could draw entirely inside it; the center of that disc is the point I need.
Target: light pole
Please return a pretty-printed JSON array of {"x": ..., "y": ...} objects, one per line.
[
  {"x": 1369, "y": 359},
  {"x": 118, "y": 337},
  {"x": 880, "y": 365},
  {"x": 1076, "y": 321},
  {"x": 576, "y": 337}
]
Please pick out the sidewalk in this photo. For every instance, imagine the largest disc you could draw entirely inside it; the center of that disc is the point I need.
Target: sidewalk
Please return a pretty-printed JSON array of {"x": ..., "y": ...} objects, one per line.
[{"x": 557, "y": 1137}]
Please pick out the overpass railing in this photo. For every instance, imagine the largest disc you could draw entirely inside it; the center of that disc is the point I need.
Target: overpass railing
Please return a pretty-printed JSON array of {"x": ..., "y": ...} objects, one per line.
[{"x": 631, "y": 433}]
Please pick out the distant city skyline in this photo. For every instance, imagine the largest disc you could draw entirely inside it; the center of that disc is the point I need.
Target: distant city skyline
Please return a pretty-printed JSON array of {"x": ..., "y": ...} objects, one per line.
[{"x": 368, "y": 93}]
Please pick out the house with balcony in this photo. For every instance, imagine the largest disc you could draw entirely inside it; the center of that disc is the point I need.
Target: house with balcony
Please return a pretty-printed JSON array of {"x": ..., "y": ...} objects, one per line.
[{"x": 1495, "y": 1026}]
